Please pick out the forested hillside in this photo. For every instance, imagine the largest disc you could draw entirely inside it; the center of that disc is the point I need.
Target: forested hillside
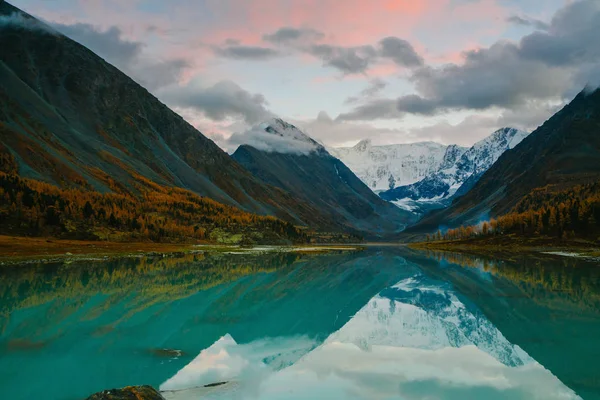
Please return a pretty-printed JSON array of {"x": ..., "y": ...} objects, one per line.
[
  {"x": 562, "y": 214},
  {"x": 153, "y": 212}
]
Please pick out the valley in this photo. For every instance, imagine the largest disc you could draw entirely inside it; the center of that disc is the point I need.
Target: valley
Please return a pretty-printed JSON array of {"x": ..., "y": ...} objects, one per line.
[{"x": 281, "y": 200}]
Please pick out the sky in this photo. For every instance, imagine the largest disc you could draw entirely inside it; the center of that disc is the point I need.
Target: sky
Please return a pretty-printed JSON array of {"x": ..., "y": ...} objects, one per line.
[{"x": 393, "y": 71}]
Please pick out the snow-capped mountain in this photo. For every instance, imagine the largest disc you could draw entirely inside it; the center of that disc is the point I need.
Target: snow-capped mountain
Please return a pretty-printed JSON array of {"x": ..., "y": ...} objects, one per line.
[
  {"x": 421, "y": 312},
  {"x": 385, "y": 167},
  {"x": 277, "y": 136},
  {"x": 335, "y": 200},
  {"x": 455, "y": 178}
]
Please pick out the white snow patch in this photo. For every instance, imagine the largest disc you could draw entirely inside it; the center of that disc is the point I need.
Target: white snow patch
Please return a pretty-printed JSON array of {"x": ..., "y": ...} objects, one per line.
[
  {"x": 406, "y": 204},
  {"x": 276, "y": 136},
  {"x": 404, "y": 163}
]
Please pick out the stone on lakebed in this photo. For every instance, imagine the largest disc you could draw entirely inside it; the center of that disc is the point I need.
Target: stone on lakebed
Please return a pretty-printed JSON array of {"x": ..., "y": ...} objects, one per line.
[{"x": 128, "y": 393}]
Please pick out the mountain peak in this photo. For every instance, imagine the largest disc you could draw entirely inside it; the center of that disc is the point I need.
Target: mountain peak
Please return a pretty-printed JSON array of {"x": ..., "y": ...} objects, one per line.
[
  {"x": 363, "y": 145},
  {"x": 277, "y": 136},
  {"x": 553, "y": 155},
  {"x": 383, "y": 166},
  {"x": 508, "y": 135},
  {"x": 281, "y": 128},
  {"x": 507, "y": 131},
  {"x": 459, "y": 170}
]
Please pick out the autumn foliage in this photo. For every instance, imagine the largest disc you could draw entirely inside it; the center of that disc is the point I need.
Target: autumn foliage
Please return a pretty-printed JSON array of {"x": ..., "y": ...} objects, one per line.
[
  {"x": 563, "y": 214},
  {"x": 147, "y": 211}
]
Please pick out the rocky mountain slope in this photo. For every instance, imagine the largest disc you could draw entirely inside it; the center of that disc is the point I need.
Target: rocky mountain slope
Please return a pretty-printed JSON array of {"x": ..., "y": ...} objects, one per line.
[
  {"x": 72, "y": 119},
  {"x": 292, "y": 161},
  {"x": 386, "y": 167},
  {"x": 457, "y": 173},
  {"x": 562, "y": 153},
  {"x": 69, "y": 118}
]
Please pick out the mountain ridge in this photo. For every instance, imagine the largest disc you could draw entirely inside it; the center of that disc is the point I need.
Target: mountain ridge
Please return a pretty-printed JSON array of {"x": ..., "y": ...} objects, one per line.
[
  {"x": 70, "y": 118},
  {"x": 562, "y": 153},
  {"x": 380, "y": 167},
  {"x": 457, "y": 173},
  {"x": 323, "y": 181}
]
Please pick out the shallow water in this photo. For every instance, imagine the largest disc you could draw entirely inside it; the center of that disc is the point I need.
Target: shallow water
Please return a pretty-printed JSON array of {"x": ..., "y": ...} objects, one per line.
[{"x": 384, "y": 323}]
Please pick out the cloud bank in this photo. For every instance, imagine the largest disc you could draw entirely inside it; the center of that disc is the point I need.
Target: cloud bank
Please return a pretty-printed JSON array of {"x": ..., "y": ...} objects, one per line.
[
  {"x": 543, "y": 66},
  {"x": 346, "y": 59},
  {"x": 220, "y": 101}
]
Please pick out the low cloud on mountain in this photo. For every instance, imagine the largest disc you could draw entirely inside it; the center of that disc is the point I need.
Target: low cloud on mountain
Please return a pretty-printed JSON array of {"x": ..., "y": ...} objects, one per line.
[{"x": 281, "y": 141}]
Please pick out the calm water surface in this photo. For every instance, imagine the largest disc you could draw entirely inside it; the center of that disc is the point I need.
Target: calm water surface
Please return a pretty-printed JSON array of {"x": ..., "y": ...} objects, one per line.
[{"x": 384, "y": 323}]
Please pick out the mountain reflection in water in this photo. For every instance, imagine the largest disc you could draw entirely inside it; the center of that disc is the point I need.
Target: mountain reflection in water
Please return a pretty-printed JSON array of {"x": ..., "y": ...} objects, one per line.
[{"x": 379, "y": 324}]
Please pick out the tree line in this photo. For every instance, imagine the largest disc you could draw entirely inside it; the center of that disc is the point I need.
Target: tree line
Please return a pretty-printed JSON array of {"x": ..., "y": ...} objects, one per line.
[
  {"x": 149, "y": 212},
  {"x": 562, "y": 214}
]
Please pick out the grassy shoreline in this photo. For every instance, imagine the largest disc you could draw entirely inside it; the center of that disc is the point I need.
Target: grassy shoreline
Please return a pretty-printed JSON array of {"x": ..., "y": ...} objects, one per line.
[
  {"x": 18, "y": 249},
  {"x": 512, "y": 245}
]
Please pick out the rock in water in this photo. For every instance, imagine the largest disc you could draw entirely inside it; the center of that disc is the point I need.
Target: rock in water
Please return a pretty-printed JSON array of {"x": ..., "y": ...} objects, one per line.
[{"x": 128, "y": 393}]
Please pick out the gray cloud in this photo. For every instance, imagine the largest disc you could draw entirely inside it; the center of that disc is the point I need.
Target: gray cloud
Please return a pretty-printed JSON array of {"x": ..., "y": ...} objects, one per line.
[
  {"x": 224, "y": 99},
  {"x": 415, "y": 105},
  {"x": 336, "y": 132},
  {"x": 497, "y": 76},
  {"x": 108, "y": 44},
  {"x": 544, "y": 66},
  {"x": 126, "y": 55},
  {"x": 527, "y": 21},
  {"x": 358, "y": 59},
  {"x": 154, "y": 75},
  {"x": 346, "y": 59},
  {"x": 376, "y": 85},
  {"x": 349, "y": 60},
  {"x": 571, "y": 39},
  {"x": 470, "y": 130},
  {"x": 294, "y": 38},
  {"x": 240, "y": 52},
  {"x": 289, "y": 35},
  {"x": 400, "y": 51},
  {"x": 530, "y": 115},
  {"x": 374, "y": 109},
  {"x": 220, "y": 101}
]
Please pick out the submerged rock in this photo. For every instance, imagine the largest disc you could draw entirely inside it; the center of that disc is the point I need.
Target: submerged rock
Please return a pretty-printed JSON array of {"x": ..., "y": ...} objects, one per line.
[
  {"x": 128, "y": 393},
  {"x": 166, "y": 353}
]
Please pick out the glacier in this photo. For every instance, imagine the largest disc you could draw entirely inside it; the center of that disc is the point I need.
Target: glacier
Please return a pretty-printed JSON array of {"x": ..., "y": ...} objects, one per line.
[
  {"x": 455, "y": 176},
  {"x": 382, "y": 167}
]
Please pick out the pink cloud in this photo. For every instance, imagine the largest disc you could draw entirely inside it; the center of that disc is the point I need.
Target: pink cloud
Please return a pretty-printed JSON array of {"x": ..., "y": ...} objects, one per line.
[{"x": 433, "y": 27}]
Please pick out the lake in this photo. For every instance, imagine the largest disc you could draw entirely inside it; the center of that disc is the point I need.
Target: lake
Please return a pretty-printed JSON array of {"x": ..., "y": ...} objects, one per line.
[{"x": 383, "y": 323}]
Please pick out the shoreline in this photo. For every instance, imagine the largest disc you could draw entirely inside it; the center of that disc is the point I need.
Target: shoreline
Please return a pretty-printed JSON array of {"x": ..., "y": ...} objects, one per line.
[
  {"x": 24, "y": 250},
  {"x": 510, "y": 246}
]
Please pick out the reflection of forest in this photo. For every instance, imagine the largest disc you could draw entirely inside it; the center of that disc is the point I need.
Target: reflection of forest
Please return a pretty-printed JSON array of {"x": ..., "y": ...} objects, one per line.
[
  {"x": 564, "y": 279},
  {"x": 151, "y": 279},
  {"x": 547, "y": 305},
  {"x": 112, "y": 316}
]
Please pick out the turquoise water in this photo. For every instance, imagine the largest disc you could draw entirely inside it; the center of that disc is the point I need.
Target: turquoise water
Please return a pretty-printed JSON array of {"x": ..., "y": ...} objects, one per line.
[{"x": 384, "y": 323}]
